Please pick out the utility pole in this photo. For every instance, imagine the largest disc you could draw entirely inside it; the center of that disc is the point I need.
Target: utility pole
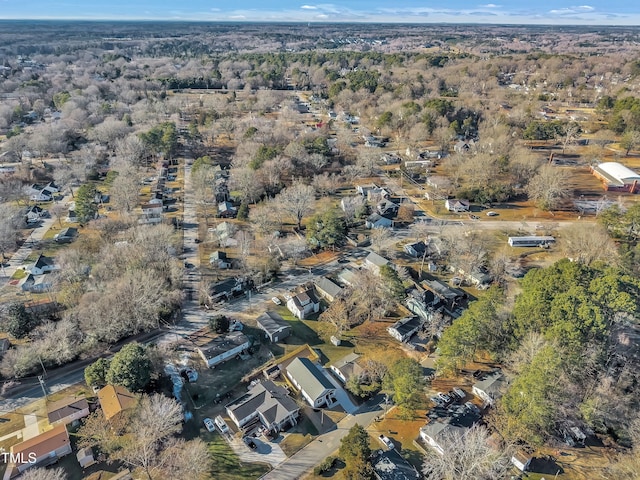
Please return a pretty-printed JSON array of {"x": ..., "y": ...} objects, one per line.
[
  {"x": 44, "y": 370},
  {"x": 42, "y": 384}
]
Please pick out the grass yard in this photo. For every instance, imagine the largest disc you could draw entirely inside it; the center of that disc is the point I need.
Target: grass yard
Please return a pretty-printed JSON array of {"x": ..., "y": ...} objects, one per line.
[{"x": 227, "y": 465}]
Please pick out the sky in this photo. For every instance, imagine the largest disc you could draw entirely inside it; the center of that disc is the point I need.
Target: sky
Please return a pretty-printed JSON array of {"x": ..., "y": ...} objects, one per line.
[{"x": 611, "y": 12}]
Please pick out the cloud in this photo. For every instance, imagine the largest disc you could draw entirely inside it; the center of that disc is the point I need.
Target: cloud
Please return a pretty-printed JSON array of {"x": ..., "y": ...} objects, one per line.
[
  {"x": 490, "y": 5},
  {"x": 308, "y": 7},
  {"x": 572, "y": 10}
]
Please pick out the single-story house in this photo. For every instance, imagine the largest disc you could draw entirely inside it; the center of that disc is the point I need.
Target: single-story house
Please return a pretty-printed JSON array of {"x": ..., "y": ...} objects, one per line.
[
  {"x": 389, "y": 465},
  {"x": 267, "y": 402},
  {"x": 387, "y": 208},
  {"x": 35, "y": 284},
  {"x": 67, "y": 410},
  {"x": 227, "y": 210},
  {"x": 39, "y": 451},
  {"x": 72, "y": 217},
  {"x": 404, "y": 329},
  {"x": 115, "y": 399},
  {"x": 327, "y": 289},
  {"x": 313, "y": 385},
  {"x": 224, "y": 233},
  {"x": 347, "y": 277},
  {"x": 464, "y": 146},
  {"x": 219, "y": 260},
  {"x": 521, "y": 460},
  {"x": 226, "y": 289},
  {"x": 275, "y": 327},
  {"x": 374, "y": 262},
  {"x": 42, "y": 265},
  {"x": 224, "y": 348},
  {"x": 35, "y": 213},
  {"x": 416, "y": 249},
  {"x": 302, "y": 304},
  {"x": 433, "y": 434},
  {"x": 376, "y": 220},
  {"x": 66, "y": 235},
  {"x": 456, "y": 205},
  {"x": 490, "y": 388},
  {"x": 347, "y": 367},
  {"x": 438, "y": 182}
]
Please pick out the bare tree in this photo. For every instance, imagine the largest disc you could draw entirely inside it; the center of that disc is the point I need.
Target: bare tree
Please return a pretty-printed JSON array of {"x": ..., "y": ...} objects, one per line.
[
  {"x": 297, "y": 201},
  {"x": 588, "y": 243},
  {"x": 549, "y": 187},
  {"x": 181, "y": 459},
  {"x": 468, "y": 456},
  {"x": 11, "y": 221},
  {"x": 44, "y": 474},
  {"x": 125, "y": 190}
]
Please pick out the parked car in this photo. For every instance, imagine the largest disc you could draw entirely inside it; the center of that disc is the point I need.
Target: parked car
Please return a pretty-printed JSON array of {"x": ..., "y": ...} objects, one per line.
[
  {"x": 276, "y": 300},
  {"x": 250, "y": 443},
  {"x": 444, "y": 397},
  {"x": 459, "y": 393},
  {"x": 491, "y": 213},
  {"x": 438, "y": 401},
  {"x": 209, "y": 424},
  {"x": 387, "y": 442}
]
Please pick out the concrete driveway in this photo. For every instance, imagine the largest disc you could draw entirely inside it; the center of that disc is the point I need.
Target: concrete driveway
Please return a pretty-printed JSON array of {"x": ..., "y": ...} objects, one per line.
[
  {"x": 341, "y": 394},
  {"x": 265, "y": 452}
]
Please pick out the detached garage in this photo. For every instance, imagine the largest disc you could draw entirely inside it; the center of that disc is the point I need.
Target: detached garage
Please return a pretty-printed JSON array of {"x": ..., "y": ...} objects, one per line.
[{"x": 616, "y": 177}]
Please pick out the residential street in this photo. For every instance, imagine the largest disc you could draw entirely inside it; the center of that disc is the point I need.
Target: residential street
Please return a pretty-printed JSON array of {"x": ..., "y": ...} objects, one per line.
[{"x": 296, "y": 466}]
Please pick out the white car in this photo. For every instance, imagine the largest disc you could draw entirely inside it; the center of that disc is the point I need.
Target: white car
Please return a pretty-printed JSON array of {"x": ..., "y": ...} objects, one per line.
[
  {"x": 209, "y": 424},
  {"x": 221, "y": 424},
  {"x": 387, "y": 442},
  {"x": 491, "y": 213},
  {"x": 276, "y": 300}
]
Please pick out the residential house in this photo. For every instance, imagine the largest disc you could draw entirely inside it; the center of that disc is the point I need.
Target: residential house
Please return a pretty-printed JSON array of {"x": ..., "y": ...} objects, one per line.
[
  {"x": 457, "y": 205},
  {"x": 151, "y": 213},
  {"x": 347, "y": 367},
  {"x": 390, "y": 159},
  {"x": 372, "y": 191},
  {"x": 387, "y": 208},
  {"x": 66, "y": 235},
  {"x": 448, "y": 296},
  {"x": 404, "y": 329},
  {"x": 303, "y": 304},
  {"x": 275, "y": 327},
  {"x": 219, "y": 260},
  {"x": 477, "y": 276},
  {"x": 42, "y": 195},
  {"x": 347, "y": 277},
  {"x": 224, "y": 233},
  {"x": 42, "y": 265},
  {"x": 35, "y": 213},
  {"x": 221, "y": 191},
  {"x": 376, "y": 220},
  {"x": 389, "y": 465},
  {"x": 521, "y": 460},
  {"x": 222, "y": 291},
  {"x": 313, "y": 385},
  {"x": 416, "y": 249},
  {"x": 71, "y": 217},
  {"x": 35, "y": 284},
  {"x": 67, "y": 410},
  {"x": 374, "y": 262},
  {"x": 465, "y": 146},
  {"x": 327, "y": 289},
  {"x": 265, "y": 402},
  {"x": 490, "y": 388},
  {"x": 438, "y": 182},
  {"x": 40, "y": 451},
  {"x": 114, "y": 400},
  {"x": 224, "y": 348},
  {"x": 435, "y": 433},
  {"x": 227, "y": 210}
]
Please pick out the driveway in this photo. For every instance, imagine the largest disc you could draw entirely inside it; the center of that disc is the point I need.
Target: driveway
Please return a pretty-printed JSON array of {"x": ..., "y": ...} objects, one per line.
[
  {"x": 302, "y": 462},
  {"x": 341, "y": 394},
  {"x": 265, "y": 452}
]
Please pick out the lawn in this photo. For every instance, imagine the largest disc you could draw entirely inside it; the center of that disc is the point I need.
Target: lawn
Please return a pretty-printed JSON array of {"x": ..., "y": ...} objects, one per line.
[{"x": 227, "y": 465}]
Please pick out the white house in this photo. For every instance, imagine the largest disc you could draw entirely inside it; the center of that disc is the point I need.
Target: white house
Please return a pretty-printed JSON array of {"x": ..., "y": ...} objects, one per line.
[
  {"x": 415, "y": 249},
  {"x": 521, "y": 460},
  {"x": 42, "y": 265},
  {"x": 374, "y": 262},
  {"x": 376, "y": 220},
  {"x": 404, "y": 329},
  {"x": 275, "y": 327},
  {"x": 35, "y": 284},
  {"x": 316, "y": 389},
  {"x": 38, "y": 451},
  {"x": 433, "y": 434},
  {"x": 347, "y": 367},
  {"x": 223, "y": 348},
  {"x": 219, "y": 260},
  {"x": 267, "y": 402},
  {"x": 303, "y": 304},
  {"x": 327, "y": 289},
  {"x": 67, "y": 410},
  {"x": 457, "y": 205},
  {"x": 490, "y": 388},
  {"x": 35, "y": 213}
]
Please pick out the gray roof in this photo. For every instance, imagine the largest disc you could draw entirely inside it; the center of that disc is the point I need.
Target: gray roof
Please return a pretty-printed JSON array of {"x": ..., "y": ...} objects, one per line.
[
  {"x": 223, "y": 344},
  {"x": 309, "y": 377},
  {"x": 442, "y": 290},
  {"x": 266, "y": 398},
  {"x": 346, "y": 276},
  {"x": 66, "y": 407},
  {"x": 439, "y": 430},
  {"x": 68, "y": 232},
  {"x": 304, "y": 298},
  {"x": 349, "y": 365},
  {"x": 407, "y": 325},
  {"x": 492, "y": 384},
  {"x": 43, "y": 261},
  {"x": 376, "y": 259},
  {"x": 271, "y": 322},
  {"x": 328, "y": 287}
]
